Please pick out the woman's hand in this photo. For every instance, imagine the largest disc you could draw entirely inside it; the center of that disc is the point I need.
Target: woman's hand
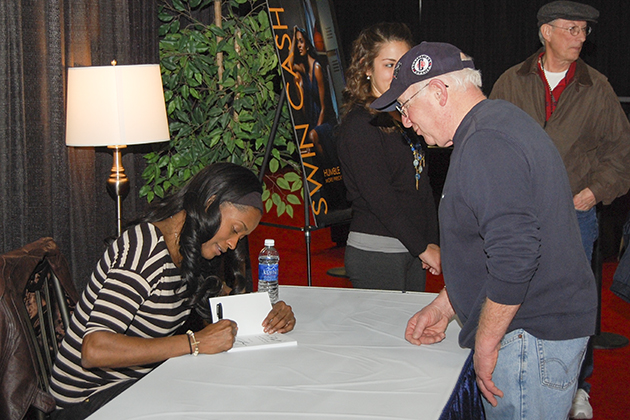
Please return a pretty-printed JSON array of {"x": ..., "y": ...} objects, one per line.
[
  {"x": 432, "y": 260},
  {"x": 281, "y": 319},
  {"x": 217, "y": 337}
]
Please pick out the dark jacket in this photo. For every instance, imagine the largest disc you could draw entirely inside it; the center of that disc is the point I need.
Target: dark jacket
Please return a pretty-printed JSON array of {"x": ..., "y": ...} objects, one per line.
[
  {"x": 18, "y": 377},
  {"x": 379, "y": 175},
  {"x": 588, "y": 127}
]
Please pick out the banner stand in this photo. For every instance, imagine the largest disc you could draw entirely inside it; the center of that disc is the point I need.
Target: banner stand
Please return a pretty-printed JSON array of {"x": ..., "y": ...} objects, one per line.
[{"x": 307, "y": 228}]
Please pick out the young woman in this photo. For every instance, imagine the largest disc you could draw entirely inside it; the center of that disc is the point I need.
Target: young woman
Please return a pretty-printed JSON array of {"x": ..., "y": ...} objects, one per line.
[
  {"x": 310, "y": 78},
  {"x": 393, "y": 232},
  {"x": 148, "y": 281}
]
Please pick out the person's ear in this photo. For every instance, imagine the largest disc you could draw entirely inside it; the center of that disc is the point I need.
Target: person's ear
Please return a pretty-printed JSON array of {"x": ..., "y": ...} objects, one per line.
[
  {"x": 440, "y": 90},
  {"x": 545, "y": 31}
]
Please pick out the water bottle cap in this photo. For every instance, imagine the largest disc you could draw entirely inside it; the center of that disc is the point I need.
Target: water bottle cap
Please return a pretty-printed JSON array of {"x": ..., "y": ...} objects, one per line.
[{"x": 270, "y": 242}]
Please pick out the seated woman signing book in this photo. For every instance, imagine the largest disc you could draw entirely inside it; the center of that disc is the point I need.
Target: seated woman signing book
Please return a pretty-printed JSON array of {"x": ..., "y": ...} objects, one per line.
[{"x": 148, "y": 282}]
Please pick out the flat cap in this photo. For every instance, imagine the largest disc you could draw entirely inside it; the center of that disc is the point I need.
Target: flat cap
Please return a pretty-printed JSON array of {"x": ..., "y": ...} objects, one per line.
[{"x": 568, "y": 10}]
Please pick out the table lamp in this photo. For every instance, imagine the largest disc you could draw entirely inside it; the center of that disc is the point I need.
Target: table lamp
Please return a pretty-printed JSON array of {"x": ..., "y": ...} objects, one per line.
[{"x": 116, "y": 106}]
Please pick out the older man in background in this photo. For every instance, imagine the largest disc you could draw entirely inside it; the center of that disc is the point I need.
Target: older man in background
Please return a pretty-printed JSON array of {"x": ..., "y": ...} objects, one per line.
[
  {"x": 578, "y": 108},
  {"x": 515, "y": 272}
]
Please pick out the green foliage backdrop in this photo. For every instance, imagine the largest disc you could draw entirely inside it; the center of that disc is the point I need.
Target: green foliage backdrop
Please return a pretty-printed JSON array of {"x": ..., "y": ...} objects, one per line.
[{"x": 221, "y": 84}]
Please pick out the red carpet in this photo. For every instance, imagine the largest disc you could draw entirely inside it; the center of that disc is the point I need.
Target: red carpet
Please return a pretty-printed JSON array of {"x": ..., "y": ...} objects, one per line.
[{"x": 610, "y": 394}]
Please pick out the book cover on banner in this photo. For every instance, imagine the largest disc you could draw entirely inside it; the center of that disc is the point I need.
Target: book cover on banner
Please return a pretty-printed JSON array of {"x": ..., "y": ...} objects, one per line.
[
  {"x": 305, "y": 34},
  {"x": 248, "y": 311}
]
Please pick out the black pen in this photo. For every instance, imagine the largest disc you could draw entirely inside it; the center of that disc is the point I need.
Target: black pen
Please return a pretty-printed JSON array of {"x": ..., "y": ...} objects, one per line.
[{"x": 219, "y": 311}]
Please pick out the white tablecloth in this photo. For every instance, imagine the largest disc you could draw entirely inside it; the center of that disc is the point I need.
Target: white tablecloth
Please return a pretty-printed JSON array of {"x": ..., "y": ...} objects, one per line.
[{"x": 351, "y": 362}]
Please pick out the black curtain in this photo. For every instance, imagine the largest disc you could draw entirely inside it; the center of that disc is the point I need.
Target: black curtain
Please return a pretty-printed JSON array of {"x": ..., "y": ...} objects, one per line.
[
  {"x": 499, "y": 34},
  {"x": 47, "y": 188},
  {"x": 496, "y": 33}
]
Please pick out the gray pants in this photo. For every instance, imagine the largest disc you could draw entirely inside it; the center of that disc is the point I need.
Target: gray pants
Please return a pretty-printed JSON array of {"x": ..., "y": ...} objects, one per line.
[{"x": 379, "y": 270}]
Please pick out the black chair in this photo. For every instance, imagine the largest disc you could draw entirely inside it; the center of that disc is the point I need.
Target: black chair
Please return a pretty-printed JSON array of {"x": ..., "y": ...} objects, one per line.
[{"x": 37, "y": 297}]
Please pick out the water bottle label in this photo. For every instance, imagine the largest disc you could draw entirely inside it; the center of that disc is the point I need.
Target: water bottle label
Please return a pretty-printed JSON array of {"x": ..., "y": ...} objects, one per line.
[{"x": 268, "y": 272}]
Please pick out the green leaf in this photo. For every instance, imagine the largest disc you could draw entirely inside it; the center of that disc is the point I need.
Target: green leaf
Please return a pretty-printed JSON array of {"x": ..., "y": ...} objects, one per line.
[
  {"x": 292, "y": 177},
  {"x": 282, "y": 183},
  {"x": 293, "y": 199},
  {"x": 280, "y": 208},
  {"x": 174, "y": 27},
  {"x": 163, "y": 161},
  {"x": 144, "y": 190},
  {"x": 297, "y": 185},
  {"x": 179, "y": 5},
  {"x": 217, "y": 31},
  {"x": 165, "y": 17}
]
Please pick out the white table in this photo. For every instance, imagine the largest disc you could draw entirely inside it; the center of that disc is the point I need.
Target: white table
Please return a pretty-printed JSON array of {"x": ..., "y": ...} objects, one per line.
[{"x": 351, "y": 362}]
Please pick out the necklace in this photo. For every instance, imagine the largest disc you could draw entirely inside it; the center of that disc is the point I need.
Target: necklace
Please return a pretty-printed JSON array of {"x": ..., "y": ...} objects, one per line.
[{"x": 418, "y": 157}]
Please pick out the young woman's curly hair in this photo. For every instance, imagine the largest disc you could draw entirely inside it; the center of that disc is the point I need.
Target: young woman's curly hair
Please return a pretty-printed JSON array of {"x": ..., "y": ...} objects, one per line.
[{"x": 365, "y": 48}]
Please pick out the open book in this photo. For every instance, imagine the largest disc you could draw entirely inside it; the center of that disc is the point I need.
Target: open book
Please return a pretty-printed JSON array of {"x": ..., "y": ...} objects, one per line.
[{"x": 248, "y": 311}]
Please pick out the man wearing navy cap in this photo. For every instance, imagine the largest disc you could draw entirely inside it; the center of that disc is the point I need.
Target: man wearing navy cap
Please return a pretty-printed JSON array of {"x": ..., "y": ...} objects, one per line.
[
  {"x": 516, "y": 275},
  {"x": 578, "y": 108}
]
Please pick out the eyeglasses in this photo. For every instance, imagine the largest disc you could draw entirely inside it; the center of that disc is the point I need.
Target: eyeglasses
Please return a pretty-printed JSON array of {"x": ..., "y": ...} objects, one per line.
[
  {"x": 575, "y": 30},
  {"x": 401, "y": 107}
]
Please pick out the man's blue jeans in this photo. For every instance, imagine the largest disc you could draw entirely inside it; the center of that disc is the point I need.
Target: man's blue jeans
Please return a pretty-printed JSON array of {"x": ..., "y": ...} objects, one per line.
[
  {"x": 589, "y": 229},
  {"x": 538, "y": 377}
]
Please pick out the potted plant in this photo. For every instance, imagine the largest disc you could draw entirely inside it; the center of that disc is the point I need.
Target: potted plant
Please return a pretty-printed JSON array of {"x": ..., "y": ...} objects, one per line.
[{"x": 221, "y": 83}]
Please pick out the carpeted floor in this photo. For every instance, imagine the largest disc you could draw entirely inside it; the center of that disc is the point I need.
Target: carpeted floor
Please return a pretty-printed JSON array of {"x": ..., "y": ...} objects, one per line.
[{"x": 610, "y": 394}]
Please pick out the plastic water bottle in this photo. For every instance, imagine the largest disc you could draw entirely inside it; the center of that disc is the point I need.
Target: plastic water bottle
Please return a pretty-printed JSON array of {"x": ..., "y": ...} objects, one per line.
[{"x": 268, "y": 270}]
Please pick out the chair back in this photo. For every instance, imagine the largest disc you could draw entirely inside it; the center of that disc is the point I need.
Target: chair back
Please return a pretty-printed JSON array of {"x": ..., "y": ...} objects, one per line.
[{"x": 37, "y": 297}]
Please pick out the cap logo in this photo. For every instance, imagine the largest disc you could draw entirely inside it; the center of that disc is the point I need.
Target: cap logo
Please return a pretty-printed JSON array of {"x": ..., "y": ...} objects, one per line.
[
  {"x": 397, "y": 69},
  {"x": 421, "y": 65}
]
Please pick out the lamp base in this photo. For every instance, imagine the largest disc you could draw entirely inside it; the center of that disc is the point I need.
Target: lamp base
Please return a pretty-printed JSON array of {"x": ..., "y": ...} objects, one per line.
[{"x": 118, "y": 183}]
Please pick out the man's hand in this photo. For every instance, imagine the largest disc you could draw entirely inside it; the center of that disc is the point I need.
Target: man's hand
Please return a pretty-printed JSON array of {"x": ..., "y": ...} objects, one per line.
[
  {"x": 584, "y": 200},
  {"x": 429, "y": 325},
  {"x": 493, "y": 323},
  {"x": 431, "y": 259},
  {"x": 485, "y": 360}
]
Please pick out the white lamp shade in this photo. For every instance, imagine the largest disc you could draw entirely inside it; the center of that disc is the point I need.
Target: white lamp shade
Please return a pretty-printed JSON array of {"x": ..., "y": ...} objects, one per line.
[{"x": 115, "y": 106}]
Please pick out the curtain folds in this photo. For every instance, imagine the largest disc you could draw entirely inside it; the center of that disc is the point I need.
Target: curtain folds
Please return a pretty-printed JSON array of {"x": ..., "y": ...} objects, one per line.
[{"x": 47, "y": 188}]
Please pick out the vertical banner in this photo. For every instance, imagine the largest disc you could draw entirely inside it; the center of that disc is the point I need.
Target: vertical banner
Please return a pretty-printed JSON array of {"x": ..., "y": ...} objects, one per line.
[{"x": 306, "y": 42}]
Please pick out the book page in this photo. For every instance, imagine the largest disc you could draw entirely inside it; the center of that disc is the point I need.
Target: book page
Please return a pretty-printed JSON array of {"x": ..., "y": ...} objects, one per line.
[
  {"x": 249, "y": 342},
  {"x": 248, "y": 311}
]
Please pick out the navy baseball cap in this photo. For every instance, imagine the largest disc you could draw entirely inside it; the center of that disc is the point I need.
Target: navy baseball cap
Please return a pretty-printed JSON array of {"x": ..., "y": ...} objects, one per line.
[{"x": 422, "y": 62}]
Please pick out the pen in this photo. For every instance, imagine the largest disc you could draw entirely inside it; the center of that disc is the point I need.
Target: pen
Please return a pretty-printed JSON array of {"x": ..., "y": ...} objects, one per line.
[{"x": 219, "y": 310}]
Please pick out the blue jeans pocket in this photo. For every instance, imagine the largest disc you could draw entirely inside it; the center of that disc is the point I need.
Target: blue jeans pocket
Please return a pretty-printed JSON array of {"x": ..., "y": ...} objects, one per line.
[{"x": 560, "y": 362}]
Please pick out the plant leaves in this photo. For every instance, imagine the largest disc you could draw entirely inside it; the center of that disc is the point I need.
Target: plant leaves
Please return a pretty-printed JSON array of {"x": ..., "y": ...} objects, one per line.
[{"x": 221, "y": 119}]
